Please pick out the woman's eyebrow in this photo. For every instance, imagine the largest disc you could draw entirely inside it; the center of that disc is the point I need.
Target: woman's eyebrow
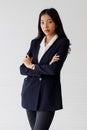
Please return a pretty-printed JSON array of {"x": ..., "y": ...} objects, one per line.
[{"x": 47, "y": 19}]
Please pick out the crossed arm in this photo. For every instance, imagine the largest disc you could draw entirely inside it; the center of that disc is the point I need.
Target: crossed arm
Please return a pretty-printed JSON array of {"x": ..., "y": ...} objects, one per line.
[
  {"x": 28, "y": 61},
  {"x": 54, "y": 66}
]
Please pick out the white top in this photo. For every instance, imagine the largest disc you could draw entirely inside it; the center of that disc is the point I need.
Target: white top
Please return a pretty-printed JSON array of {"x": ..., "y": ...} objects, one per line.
[{"x": 44, "y": 48}]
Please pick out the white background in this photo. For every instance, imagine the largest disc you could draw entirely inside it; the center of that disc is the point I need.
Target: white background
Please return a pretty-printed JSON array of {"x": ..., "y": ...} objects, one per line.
[{"x": 18, "y": 25}]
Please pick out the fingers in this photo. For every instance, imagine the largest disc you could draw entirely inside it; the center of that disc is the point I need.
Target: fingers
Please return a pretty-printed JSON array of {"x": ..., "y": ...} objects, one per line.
[
  {"x": 55, "y": 57},
  {"x": 27, "y": 56},
  {"x": 27, "y": 59}
]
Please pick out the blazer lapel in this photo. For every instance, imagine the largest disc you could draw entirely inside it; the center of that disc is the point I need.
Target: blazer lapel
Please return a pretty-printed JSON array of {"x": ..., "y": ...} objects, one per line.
[
  {"x": 49, "y": 49},
  {"x": 36, "y": 51}
]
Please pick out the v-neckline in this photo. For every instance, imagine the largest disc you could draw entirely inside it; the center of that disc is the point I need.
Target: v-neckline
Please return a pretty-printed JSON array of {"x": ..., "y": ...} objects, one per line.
[{"x": 46, "y": 51}]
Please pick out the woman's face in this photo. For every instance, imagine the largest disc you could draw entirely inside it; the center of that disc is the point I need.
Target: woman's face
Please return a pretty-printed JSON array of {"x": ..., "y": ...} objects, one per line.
[{"x": 47, "y": 25}]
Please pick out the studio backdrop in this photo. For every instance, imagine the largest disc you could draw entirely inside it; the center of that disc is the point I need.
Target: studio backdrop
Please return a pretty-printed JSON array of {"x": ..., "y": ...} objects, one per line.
[{"x": 18, "y": 26}]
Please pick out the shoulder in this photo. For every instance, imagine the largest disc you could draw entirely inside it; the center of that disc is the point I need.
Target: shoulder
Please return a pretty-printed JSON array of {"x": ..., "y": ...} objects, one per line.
[
  {"x": 64, "y": 41},
  {"x": 63, "y": 44},
  {"x": 36, "y": 40}
]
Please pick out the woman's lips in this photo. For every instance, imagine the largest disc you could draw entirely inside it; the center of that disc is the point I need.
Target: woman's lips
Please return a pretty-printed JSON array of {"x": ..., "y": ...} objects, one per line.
[{"x": 46, "y": 30}]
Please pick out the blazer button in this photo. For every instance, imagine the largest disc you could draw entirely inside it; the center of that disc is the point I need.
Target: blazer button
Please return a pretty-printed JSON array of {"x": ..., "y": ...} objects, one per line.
[{"x": 40, "y": 79}]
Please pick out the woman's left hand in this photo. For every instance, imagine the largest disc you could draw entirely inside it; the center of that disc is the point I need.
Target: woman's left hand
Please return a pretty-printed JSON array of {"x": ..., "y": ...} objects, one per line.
[{"x": 54, "y": 59}]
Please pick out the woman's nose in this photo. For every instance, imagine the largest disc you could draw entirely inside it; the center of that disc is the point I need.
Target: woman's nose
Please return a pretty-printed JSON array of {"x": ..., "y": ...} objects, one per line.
[{"x": 45, "y": 25}]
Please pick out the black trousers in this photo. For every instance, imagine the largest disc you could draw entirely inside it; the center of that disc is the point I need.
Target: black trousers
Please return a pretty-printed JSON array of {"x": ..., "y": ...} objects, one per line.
[{"x": 40, "y": 120}]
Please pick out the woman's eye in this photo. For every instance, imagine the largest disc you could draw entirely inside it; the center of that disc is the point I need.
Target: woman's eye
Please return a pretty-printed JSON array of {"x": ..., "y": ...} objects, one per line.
[
  {"x": 42, "y": 22},
  {"x": 49, "y": 21}
]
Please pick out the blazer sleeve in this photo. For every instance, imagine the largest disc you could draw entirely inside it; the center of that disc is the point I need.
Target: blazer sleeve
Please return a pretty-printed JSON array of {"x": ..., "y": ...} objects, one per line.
[
  {"x": 47, "y": 69},
  {"x": 23, "y": 69}
]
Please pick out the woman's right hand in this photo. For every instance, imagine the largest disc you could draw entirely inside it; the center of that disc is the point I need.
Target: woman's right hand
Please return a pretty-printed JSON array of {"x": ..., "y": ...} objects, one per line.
[
  {"x": 27, "y": 61},
  {"x": 54, "y": 58}
]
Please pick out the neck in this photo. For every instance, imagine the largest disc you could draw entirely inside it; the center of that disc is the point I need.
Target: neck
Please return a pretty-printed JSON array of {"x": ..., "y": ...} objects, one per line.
[{"x": 48, "y": 38}]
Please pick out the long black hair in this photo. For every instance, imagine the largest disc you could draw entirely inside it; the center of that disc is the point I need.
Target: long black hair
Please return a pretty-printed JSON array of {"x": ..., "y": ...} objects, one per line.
[{"x": 56, "y": 18}]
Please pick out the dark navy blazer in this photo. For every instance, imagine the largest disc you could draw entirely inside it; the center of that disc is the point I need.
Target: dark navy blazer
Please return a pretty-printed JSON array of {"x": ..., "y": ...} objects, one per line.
[{"x": 41, "y": 88}]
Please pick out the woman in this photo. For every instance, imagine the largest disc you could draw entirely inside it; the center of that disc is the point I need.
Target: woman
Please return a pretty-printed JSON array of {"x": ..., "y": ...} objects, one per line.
[{"x": 41, "y": 92}]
